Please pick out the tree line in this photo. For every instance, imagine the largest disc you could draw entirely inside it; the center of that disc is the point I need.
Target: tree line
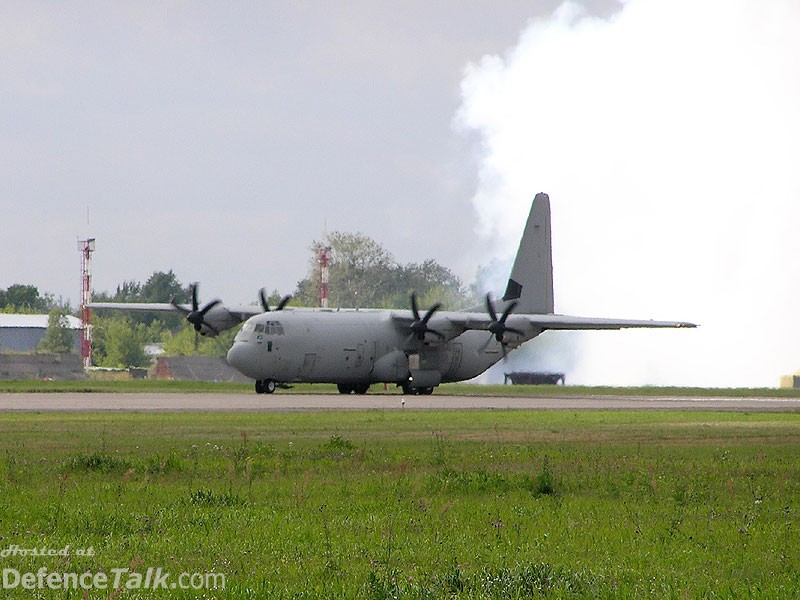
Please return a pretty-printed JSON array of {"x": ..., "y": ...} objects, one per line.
[
  {"x": 362, "y": 274},
  {"x": 21, "y": 298}
]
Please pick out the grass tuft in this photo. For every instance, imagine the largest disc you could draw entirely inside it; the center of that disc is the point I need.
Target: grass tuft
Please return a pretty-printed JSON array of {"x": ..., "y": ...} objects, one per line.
[
  {"x": 532, "y": 580},
  {"x": 212, "y": 498},
  {"x": 544, "y": 482},
  {"x": 478, "y": 481},
  {"x": 101, "y": 462},
  {"x": 162, "y": 465}
]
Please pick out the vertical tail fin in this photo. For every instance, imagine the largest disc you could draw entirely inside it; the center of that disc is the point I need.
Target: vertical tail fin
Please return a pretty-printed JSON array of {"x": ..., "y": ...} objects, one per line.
[{"x": 531, "y": 281}]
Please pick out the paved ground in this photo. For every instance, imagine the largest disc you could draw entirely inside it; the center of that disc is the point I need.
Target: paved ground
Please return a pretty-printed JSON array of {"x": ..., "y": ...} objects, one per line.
[{"x": 290, "y": 402}]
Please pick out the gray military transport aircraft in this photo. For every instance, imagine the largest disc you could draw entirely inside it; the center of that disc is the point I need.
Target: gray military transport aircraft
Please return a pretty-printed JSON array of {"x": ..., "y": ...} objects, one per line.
[{"x": 354, "y": 348}]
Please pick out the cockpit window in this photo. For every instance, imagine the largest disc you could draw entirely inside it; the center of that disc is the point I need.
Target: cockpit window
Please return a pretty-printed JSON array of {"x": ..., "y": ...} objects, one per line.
[
  {"x": 274, "y": 328},
  {"x": 269, "y": 328}
]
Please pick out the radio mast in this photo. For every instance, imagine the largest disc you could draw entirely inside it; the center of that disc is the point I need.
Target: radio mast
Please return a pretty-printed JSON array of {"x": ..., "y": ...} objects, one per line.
[
  {"x": 86, "y": 247},
  {"x": 324, "y": 258}
]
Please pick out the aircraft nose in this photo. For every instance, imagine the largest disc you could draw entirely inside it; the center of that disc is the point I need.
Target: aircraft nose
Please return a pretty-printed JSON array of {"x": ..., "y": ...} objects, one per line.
[{"x": 237, "y": 356}]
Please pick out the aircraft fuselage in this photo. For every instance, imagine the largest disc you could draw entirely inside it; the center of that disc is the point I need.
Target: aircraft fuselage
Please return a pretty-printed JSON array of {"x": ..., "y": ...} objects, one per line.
[{"x": 354, "y": 347}]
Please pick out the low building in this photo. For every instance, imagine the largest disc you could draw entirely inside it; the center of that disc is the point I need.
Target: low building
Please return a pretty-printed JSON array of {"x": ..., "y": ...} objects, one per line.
[
  {"x": 58, "y": 367},
  {"x": 24, "y": 333}
]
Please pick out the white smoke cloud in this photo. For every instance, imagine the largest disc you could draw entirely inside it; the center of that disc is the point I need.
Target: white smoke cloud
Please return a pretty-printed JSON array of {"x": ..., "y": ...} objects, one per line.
[{"x": 668, "y": 138}]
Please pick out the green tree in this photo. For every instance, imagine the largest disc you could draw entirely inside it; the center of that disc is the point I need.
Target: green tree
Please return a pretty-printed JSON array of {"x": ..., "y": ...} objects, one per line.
[
  {"x": 128, "y": 291},
  {"x": 360, "y": 270},
  {"x": 163, "y": 287},
  {"x": 159, "y": 287},
  {"x": 10, "y": 309},
  {"x": 118, "y": 342},
  {"x": 432, "y": 282},
  {"x": 25, "y": 298},
  {"x": 59, "y": 339}
]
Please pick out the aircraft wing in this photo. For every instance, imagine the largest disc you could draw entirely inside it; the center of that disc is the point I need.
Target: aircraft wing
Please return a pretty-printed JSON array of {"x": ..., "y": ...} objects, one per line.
[
  {"x": 441, "y": 328},
  {"x": 243, "y": 312},
  {"x": 564, "y": 322},
  {"x": 215, "y": 316},
  {"x": 135, "y": 306},
  {"x": 449, "y": 325},
  {"x": 567, "y": 322}
]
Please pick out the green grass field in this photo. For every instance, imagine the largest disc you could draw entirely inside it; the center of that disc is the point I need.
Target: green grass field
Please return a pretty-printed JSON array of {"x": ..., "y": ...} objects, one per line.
[{"x": 495, "y": 504}]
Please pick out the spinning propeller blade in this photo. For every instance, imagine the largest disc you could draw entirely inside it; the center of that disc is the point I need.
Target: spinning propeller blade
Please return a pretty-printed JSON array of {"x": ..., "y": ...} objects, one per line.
[
  {"x": 262, "y": 294},
  {"x": 498, "y": 327},
  {"x": 420, "y": 325},
  {"x": 197, "y": 315}
]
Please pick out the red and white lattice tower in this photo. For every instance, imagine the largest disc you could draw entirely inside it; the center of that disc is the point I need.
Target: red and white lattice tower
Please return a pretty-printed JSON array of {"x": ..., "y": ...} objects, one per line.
[
  {"x": 324, "y": 259},
  {"x": 86, "y": 248}
]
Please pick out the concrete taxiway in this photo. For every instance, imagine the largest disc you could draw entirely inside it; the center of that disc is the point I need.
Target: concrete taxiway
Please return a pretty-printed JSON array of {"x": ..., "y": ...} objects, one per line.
[{"x": 181, "y": 402}]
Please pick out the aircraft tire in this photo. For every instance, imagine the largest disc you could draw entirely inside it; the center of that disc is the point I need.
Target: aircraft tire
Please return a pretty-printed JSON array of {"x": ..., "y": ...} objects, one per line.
[
  {"x": 265, "y": 386},
  {"x": 410, "y": 390},
  {"x": 344, "y": 388},
  {"x": 361, "y": 389}
]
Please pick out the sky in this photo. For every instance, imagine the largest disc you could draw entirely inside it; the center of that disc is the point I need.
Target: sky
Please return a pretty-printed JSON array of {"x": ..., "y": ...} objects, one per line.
[{"x": 221, "y": 139}]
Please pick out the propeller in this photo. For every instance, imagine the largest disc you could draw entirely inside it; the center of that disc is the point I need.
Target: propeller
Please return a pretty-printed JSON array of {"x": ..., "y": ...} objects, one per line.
[
  {"x": 197, "y": 315},
  {"x": 265, "y": 305},
  {"x": 498, "y": 327},
  {"x": 420, "y": 325}
]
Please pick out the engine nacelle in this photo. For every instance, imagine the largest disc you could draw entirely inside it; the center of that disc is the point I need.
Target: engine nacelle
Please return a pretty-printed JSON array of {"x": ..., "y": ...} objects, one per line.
[{"x": 216, "y": 320}]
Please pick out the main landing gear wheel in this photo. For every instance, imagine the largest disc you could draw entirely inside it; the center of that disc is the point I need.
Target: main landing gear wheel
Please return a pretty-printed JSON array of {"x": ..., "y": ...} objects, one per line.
[
  {"x": 265, "y": 386},
  {"x": 410, "y": 390}
]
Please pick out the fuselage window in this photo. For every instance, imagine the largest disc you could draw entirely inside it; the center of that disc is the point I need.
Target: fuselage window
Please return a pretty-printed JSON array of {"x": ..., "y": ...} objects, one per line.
[{"x": 259, "y": 328}]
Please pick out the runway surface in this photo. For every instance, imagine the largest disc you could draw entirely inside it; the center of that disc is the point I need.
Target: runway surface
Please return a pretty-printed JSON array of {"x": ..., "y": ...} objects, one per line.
[{"x": 179, "y": 402}]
